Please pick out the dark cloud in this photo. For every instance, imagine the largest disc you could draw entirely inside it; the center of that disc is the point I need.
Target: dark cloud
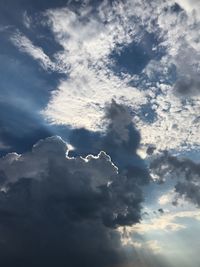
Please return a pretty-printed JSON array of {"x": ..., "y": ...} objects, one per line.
[
  {"x": 55, "y": 209},
  {"x": 161, "y": 211},
  {"x": 58, "y": 208},
  {"x": 175, "y": 8},
  {"x": 187, "y": 86},
  {"x": 167, "y": 164},
  {"x": 184, "y": 171},
  {"x": 150, "y": 149},
  {"x": 120, "y": 140},
  {"x": 190, "y": 190}
]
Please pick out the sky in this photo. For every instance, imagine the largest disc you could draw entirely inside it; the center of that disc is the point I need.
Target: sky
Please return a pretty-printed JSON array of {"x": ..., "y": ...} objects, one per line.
[{"x": 99, "y": 133}]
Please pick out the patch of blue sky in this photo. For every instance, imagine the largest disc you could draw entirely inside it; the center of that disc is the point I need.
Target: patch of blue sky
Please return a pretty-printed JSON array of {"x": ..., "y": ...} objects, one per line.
[
  {"x": 134, "y": 57},
  {"x": 147, "y": 113}
]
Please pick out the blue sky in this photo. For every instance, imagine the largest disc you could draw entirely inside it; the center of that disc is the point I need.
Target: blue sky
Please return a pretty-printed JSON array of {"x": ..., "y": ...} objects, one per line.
[{"x": 109, "y": 80}]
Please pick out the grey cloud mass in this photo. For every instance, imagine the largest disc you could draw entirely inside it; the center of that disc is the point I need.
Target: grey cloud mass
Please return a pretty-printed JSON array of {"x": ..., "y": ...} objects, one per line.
[
  {"x": 184, "y": 171},
  {"x": 54, "y": 207},
  {"x": 120, "y": 140},
  {"x": 187, "y": 86}
]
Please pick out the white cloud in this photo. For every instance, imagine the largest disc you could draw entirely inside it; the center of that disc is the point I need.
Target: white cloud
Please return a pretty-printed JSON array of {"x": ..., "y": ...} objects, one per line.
[
  {"x": 88, "y": 40},
  {"x": 91, "y": 83},
  {"x": 166, "y": 198},
  {"x": 27, "y": 20},
  {"x": 85, "y": 97},
  {"x": 25, "y": 45}
]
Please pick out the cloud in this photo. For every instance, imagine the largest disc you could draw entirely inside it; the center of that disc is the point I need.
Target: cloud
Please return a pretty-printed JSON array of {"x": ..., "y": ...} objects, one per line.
[
  {"x": 166, "y": 198},
  {"x": 37, "y": 53},
  {"x": 120, "y": 140},
  {"x": 53, "y": 206},
  {"x": 150, "y": 149},
  {"x": 27, "y": 20},
  {"x": 185, "y": 172},
  {"x": 189, "y": 5},
  {"x": 161, "y": 210},
  {"x": 56, "y": 203},
  {"x": 188, "y": 86},
  {"x": 95, "y": 77},
  {"x": 25, "y": 91},
  {"x": 89, "y": 52},
  {"x": 164, "y": 234},
  {"x": 51, "y": 201},
  {"x": 189, "y": 190},
  {"x": 166, "y": 34}
]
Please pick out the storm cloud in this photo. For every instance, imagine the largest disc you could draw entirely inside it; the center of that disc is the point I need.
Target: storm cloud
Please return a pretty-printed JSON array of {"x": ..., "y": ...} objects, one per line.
[{"x": 54, "y": 206}]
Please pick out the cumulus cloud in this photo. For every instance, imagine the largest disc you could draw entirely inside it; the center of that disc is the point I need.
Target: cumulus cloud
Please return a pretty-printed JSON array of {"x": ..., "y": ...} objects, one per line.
[
  {"x": 56, "y": 203},
  {"x": 54, "y": 206}
]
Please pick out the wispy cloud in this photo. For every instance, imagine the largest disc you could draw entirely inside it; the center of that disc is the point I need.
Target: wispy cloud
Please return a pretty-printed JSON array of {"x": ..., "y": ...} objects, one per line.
[
  {"x": 27, "y": 20},
  {"x": 25, "y": 45}
]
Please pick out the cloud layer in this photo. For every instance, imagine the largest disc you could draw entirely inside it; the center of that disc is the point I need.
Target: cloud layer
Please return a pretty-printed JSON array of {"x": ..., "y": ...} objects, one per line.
[{"x": 98, "y": 70}]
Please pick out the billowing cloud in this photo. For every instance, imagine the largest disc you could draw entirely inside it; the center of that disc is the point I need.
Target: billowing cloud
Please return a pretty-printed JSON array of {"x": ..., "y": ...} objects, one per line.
[
  {"x": 53, "y": 206},
  {"x": 56, "y": 203}
]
